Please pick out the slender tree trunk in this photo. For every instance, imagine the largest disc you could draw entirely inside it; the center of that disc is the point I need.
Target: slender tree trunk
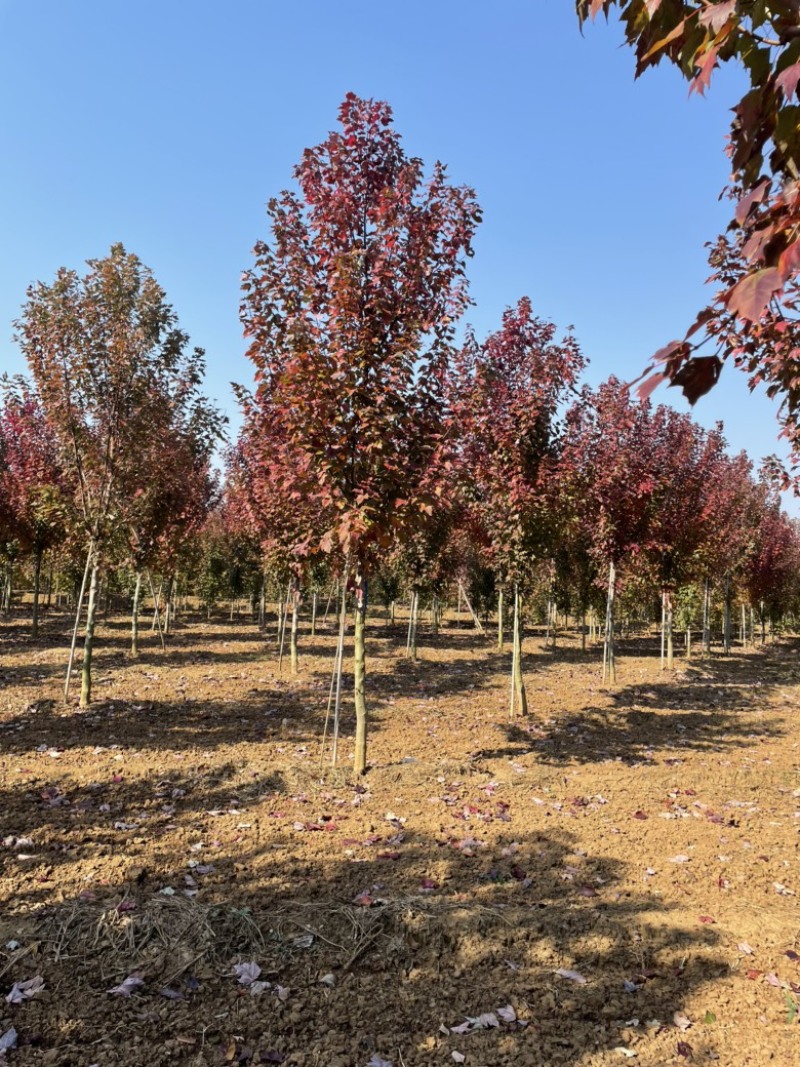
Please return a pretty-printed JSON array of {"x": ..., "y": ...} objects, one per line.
[
  {"x": 359, "y": 675},
  {"x": 169, "y": 607},
  {"x": 706, "y": 618},
  {"x": 411, "y": 649},
  {"x": 663, "y": 629},
  {"x": 475, "y": 619},
  {"x": 744, "y": 626},
  {"x": 583, "y": 630},
  {"x": 156, "y": 612},
  {"x": 88, "y": 643},
  {"x": 609, "y": 660},
  {"x": 71, "y": 660},
  {"x": 340, "y": 657},
  {"x": 293, "y": 636},
  {"x": 688, "y": 642},
  {"x": 435, "y": 616},
  {"x": 763, "y": 624},
  {"x": 137, "y": 592},
  {"x": 313, "y": 614},
  {"x": 262, "y": 603},
  {"x": 49, "y": 601},
  {"x": 9, "y": 590},
  {"x": 517, "y": 679},
  {"x": 726, "y": 624},
  {"x": 282, "y": 619},
  {"x": 334, "y": 589},
  {"x": 670, "y": 634},
  {"x": 391, "y": 613},
  {"x": 37, "y": 571},
  {"x": 157, "y": 603},
  {"x": 500, "y": 620}
]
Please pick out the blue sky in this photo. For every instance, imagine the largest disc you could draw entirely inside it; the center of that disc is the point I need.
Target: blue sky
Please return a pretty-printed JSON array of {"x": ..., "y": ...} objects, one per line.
[{"x": 168, "y": 125}]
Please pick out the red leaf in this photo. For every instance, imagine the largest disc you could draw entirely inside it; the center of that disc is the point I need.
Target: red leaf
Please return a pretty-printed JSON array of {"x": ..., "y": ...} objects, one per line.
[
  {"x": 707, "y": 919},
  {"x": 789, "y": 262},
  {"x": 671, "y": 36},
  {"x": 749, "y": 298},
  {"x": 787, "y": 80},
  {"x": 705, "y": 69},
  {"x": 755, "y": 196},
  {"x": 716, "y": 15},
  {"x": 648, "y": 387},
  {"x": 697, "y": 376}
]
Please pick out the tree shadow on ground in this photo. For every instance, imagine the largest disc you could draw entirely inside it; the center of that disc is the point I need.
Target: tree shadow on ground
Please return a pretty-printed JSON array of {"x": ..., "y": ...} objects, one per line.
[
  {"x": 716, "y": 706},
  {"x": 382, "y": 949}
]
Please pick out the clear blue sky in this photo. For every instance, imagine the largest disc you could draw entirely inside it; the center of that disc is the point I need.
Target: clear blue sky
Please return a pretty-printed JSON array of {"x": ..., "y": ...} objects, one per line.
[{"x": 168, "y": 124}]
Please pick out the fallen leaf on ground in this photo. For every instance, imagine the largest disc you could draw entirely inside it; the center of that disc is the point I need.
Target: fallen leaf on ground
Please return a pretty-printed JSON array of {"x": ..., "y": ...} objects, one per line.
[
  {"x": 247, "y": 973},
  {"x": 24, "y": 990},
  {"x": 126, "y": 987}
]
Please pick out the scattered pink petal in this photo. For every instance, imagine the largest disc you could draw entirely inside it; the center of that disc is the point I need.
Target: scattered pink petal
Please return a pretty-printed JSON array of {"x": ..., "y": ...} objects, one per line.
[
  {"x": 247, "y": 973},
  {"x": 21, "y": 991},
  {"x": 125, "y": 988}
]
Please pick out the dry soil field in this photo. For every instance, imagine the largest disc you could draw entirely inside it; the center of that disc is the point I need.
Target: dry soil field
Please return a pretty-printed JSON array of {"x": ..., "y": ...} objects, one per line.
[{"x": 611, "y": 879}]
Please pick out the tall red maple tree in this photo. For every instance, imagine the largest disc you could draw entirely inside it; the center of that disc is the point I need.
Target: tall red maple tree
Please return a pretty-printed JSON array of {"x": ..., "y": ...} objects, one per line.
[
  {"x": 350, "y": 312},
  {"x": 505, "y": 399},
  {"x": 33, "y": 482}
]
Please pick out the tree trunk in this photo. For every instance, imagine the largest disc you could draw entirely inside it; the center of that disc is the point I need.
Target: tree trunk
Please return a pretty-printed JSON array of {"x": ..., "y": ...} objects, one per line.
[
  {"x": 670, "y": 634},
  {"x": 137, "y": 592},
  {"x": 411, "y": 645},
  {"x": 583, "y": 630},
  {"x": 500, "y": 620},
  {"x": 37, "y": 571},
  {"x": 726, "y": 623},
  {"x": 50, "y": 583},
  {"x": 688, "y": 642},
  {"x": 8, "y": 592},
  {"x": 157, "y": 602},
  {"x": 435, "y": 616},
  {"x": 169, "y": 609},
  {"x": 262, "y": 603},
  {"x": 88, "y": 643},
  {"x": 359, "y": 676},
  {"x": 71, "y": 660},
  {"x": 663, "y": 629},
  {"x": 283, "y": 615},
  {"x": 313, "y": 614},
  {"x": 339, "y": 660},
  {"x": 293, "y": 636},
  {"x": 156, "y": 612},
  {"x": 517, "y": 679},
  {"x": 706, "y": 618},
  {"x": 609, "y": 661}
]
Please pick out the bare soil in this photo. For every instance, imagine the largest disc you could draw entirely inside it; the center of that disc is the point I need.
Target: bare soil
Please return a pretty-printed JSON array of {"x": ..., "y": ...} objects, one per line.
[{"x": 643, "y": 841}]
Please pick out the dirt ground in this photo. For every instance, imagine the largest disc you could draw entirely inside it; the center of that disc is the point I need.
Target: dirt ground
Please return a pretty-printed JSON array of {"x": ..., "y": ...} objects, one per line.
[{"x": 612, "y": 878}]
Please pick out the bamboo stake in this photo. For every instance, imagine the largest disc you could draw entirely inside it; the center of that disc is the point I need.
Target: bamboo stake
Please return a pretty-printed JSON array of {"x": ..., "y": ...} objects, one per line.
[
  {"x": 77, "y": 622},
  {"x": 157, "y": 614},
  {"x": 340, "y": 656}
]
